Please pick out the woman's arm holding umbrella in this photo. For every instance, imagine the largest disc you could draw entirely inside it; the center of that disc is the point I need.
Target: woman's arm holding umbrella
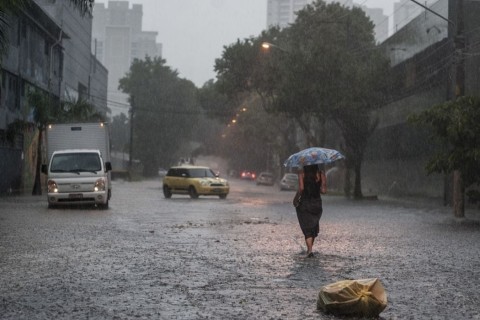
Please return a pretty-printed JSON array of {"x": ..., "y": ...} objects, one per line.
[
  {"x": 323, "y": 186},
  {"x": 300, "y": 181}
]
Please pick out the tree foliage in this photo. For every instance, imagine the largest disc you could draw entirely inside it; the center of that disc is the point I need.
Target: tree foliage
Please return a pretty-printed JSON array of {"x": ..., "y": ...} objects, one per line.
[
  {"x": 216, "y": 104},
  {"x": 165, "y": 112},
  {"x": 325, "y": 67},
  {"x": 120, "y": 132},
  {"x": 456, "y": 125}
]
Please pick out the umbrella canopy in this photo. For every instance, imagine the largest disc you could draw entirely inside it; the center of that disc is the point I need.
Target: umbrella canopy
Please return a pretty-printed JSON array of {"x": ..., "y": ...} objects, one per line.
[{"x": 310, "y": 156}]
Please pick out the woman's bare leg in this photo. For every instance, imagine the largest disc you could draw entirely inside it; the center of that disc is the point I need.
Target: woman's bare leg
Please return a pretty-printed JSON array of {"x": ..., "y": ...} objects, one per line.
[{"x": 309, "y": 242}]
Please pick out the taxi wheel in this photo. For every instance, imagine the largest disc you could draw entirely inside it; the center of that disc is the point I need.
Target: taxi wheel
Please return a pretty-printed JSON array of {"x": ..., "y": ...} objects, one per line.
[
  {"x": 192, "y": 192},
  {"x": 166, "y": 192}
]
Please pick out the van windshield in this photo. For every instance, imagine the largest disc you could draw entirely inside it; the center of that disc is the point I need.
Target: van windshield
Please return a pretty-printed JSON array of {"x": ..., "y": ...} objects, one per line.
[{"x": 76, "y": 162}]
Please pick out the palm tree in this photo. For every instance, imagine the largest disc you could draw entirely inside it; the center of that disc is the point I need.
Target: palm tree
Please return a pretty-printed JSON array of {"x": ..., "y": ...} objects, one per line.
[{"x": 41, "y": 103}]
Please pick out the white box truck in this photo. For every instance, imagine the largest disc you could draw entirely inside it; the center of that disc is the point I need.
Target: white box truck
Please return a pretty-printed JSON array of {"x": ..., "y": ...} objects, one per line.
[{"x": 78, "y": 170}]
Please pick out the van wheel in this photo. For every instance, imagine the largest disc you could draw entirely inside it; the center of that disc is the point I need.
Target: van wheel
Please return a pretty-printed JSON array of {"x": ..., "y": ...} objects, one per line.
[
  {"x": 103, "y": 206},
  {"x": 192, "y": 192},
  {"x": 167, "y": 193}
]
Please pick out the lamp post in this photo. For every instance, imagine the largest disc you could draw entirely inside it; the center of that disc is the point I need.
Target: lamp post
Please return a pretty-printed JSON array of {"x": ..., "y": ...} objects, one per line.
[
  {"x": 130, "y": 156},
  {"x": 268, "y": 45}
]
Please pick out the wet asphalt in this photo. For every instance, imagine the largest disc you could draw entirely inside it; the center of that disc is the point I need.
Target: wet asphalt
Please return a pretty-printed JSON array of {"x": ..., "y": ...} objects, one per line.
[{"x": 240, "y": 258}]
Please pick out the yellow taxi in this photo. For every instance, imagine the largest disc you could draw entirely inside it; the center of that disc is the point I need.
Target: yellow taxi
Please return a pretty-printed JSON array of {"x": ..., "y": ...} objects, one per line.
[{"x": 194, "y": 181}]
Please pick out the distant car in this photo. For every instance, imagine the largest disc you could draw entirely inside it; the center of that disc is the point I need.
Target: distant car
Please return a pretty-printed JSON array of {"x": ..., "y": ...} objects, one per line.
[
  {"x": 265, "y": 178},
  {"x": 162, "y": 172},
  {"x": 248, "y": 175},
  {"x": 194, "y": 181},
  {"x": 289, "y": 182}
]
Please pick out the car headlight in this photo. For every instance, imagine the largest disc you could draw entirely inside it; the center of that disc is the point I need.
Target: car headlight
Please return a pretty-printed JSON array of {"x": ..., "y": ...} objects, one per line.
[
  {"x": 99, "y": 185},
  {"x": 52, "y": 186},
  {"x": 204, "y": 183}
]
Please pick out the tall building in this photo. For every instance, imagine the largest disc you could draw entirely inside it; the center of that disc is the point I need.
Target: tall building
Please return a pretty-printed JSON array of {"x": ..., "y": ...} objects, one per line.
[
  {"x": 282, "y": 12},
  {"x": 380, "y": 20},
  {"x": 118, "y": 39}
]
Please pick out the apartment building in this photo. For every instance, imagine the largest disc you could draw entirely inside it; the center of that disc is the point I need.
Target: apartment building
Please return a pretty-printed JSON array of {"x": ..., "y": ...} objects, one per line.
[
  {"x": 406, "y": 10},
  {"x": 83, "y": 77},
  {"x": 282, "y": 12},
  {"x": 48, "y": 50},
  {"x": 118, "y": 39}
]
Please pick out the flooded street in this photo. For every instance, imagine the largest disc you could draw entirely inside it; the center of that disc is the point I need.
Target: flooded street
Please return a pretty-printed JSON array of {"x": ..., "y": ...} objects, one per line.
[{"x": 240, "y": 258}]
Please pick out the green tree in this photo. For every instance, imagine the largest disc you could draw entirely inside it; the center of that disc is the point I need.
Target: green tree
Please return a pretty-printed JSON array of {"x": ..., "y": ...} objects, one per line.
[
  {"x": 246, "y": 77},
  {"x": 78, "y": 110},
  {"x": 216, "y": 104},
  {"x": 323, "y": 68},
  {"x": 252, "y": 141},
  {"x": 165, "y": 112},
  {"x": 218, "y": 112},
  {"x": 120, "y": 132},
  {"x": 338, "y": 74},
  {"x": 456, "y": 125},
  {"x": 40, "y": 103},
  {"x": 244, "y": 69},
  {"x": 246, "y": 73}
]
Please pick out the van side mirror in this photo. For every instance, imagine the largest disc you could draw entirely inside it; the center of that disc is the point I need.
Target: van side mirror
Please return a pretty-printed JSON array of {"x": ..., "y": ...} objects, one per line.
[
  {"x": 108, "y": 166},
  {"x": 44, "y": 168}
]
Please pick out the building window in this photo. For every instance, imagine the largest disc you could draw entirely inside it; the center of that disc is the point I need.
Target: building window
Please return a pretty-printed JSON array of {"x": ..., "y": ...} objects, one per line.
[
  {"x": 13, "y": 33},
  {"x": 23, "y": 30},
  {"x": 82, "y": 92},
  {"x": 46, "y": 48}
]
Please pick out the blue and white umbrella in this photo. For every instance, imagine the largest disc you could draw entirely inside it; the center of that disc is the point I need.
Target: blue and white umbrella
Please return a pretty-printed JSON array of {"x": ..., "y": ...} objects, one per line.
[{"x": 310, "y": 156}]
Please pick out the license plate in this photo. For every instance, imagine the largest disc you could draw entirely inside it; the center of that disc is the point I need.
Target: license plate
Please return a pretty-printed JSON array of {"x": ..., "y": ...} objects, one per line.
[
  {"x": 217, "y": 190},
  {"x": 75, "y": 196}
]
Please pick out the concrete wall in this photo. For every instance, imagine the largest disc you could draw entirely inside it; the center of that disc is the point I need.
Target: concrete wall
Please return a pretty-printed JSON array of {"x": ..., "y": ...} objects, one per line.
[{"x": 10, "y": 170}]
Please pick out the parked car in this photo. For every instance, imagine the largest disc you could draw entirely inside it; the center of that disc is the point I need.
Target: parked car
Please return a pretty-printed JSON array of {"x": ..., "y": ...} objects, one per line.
[
  {"x": 248, "y": 175},
  {"x": 194, "y": 181},
  {"x": 265, "y": 178},
  {"x": 289, "y": 182},
  {"x": 162, "y": 172}
]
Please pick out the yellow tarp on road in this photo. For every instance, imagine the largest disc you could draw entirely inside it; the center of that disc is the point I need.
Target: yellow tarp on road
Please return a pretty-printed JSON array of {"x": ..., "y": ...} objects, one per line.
[{"x": 364, "y": 297}]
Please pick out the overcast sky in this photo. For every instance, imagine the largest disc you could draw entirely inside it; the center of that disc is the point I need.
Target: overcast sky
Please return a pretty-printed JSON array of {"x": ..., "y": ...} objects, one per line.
[{"x": 193, "y": 32}]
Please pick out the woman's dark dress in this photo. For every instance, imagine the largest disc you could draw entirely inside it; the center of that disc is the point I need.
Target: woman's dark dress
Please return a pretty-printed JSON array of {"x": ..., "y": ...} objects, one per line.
[{"x": 310, "y": 209}]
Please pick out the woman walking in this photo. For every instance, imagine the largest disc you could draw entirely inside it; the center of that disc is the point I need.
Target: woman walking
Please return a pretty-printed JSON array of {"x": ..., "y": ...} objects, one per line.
[{"x": 311, "y": 184}]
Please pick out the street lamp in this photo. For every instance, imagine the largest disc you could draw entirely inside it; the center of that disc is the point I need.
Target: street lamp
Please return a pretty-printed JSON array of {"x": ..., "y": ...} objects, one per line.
[{"x": 268, "y": 45}]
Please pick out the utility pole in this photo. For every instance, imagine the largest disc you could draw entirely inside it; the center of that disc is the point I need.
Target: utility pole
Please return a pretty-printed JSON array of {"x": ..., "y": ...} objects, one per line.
[
  {"x": 130, "y": 155},
  {"x": 456, "y": 31},
  {"x": 459, "y": 91}
]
